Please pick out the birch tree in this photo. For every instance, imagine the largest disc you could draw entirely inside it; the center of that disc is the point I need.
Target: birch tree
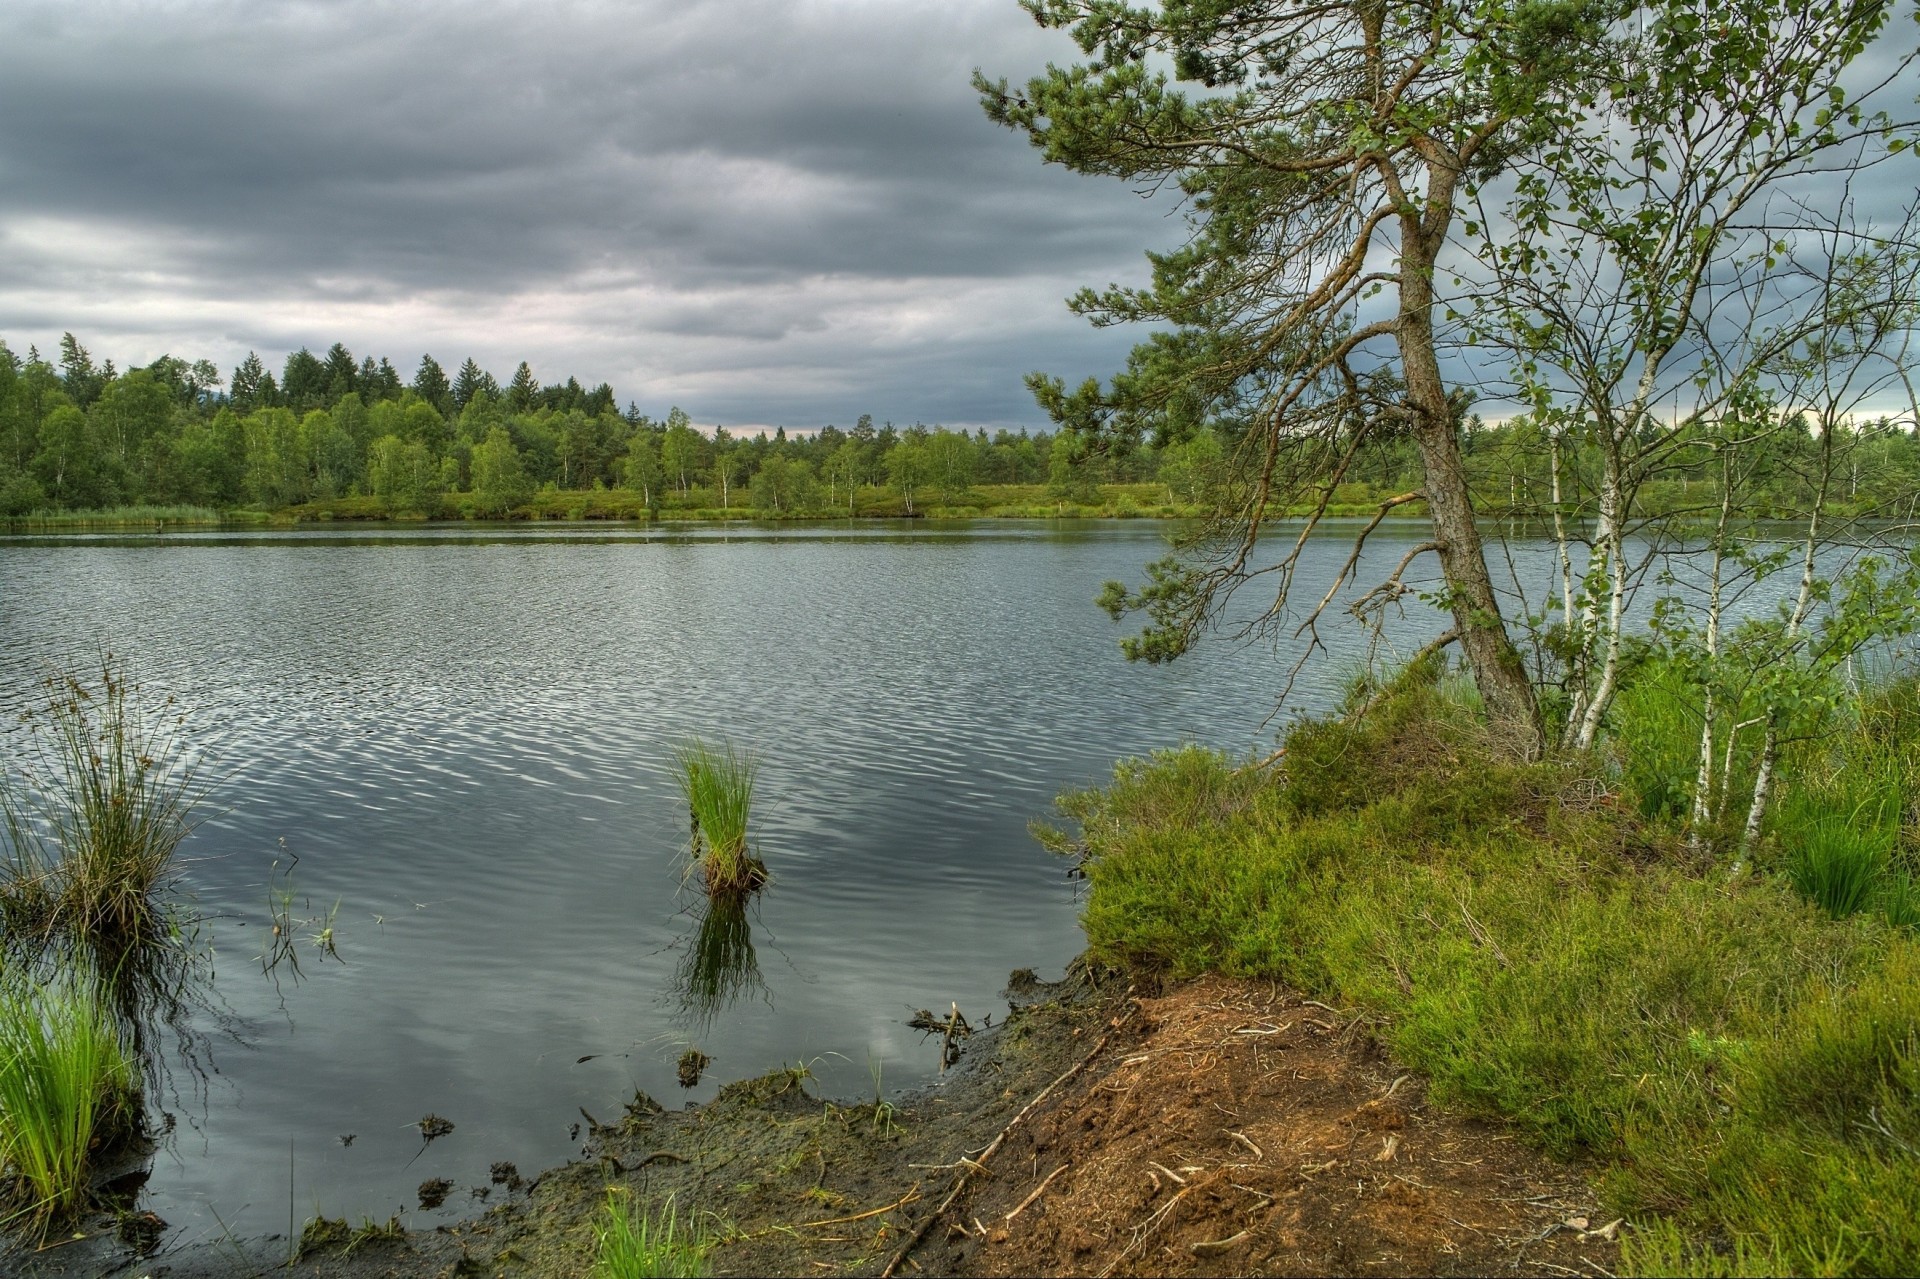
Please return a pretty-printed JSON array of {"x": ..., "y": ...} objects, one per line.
[{"x": 1674, "y": 250}]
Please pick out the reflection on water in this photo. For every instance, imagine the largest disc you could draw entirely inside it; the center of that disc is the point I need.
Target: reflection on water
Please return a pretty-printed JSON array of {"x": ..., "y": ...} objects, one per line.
[{"x": 718, "y": 964}]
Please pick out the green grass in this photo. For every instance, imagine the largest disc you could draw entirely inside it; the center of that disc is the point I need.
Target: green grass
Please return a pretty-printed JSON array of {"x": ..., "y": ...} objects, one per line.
[
  {"x": 638, "y": 1246},
  {"x": 717, "y": 782},
  {"x": 124, "y": 515},
  {"x": 1745, "y": 1067},
  {"x": 69, "y": 1087},
  {"x": 92, "y": 825}
]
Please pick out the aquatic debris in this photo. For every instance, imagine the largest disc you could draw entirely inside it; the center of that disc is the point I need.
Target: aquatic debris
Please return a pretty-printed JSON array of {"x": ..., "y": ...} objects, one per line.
[
  {"x": 951, "y": 1029},
  {"x": 432, "y": 1126},
  {"x": 503, "y": 1173},
  {"x": 434, "y": 1191},
  {"x": 693, "y": 1064}
]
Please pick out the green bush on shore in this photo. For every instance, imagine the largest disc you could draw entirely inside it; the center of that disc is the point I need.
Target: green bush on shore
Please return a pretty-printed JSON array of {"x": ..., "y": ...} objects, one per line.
[{"x": 1746, "y": 1065}]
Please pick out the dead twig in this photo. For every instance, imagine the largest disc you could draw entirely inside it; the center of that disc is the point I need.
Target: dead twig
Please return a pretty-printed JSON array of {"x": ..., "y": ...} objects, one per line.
[
  {"x": 1209, "y": 1247},
  {"x": 960, "y": 1182},
  {"x": 910, "y": 1197},
  {"x": 1022, "y": 1206}
]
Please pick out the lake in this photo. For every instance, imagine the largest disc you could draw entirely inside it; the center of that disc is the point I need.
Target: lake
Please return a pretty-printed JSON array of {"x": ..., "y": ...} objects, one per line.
[{"x": 464, "y": 734}]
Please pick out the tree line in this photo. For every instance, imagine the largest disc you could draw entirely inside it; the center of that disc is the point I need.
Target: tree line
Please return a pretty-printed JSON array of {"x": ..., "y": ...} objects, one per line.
[{"x": 76, "y": 435}]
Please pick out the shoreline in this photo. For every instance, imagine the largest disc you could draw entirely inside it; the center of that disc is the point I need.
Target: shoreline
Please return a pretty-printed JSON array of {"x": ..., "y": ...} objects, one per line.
[{"x": 1090, "y": 1115}]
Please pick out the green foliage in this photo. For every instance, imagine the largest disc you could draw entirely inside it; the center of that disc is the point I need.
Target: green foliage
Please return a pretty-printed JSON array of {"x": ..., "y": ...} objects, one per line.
[
  {"x": 717, "y": 782},
  {"x": 634, "y": 1245},
  {"x": 1747, "y": 1068},
  {"x": 92, "y": 831},
  {"x": 69, "y": 1089},
  {"x": 500, "y": 480}
]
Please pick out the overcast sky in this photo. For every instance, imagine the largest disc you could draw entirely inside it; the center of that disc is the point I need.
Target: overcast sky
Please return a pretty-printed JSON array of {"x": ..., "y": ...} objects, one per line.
[{"x": 766, "y": 211}]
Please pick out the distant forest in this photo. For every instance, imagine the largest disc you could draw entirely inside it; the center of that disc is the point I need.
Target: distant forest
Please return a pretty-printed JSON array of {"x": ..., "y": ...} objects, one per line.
[{"x": 336, "y": 434}]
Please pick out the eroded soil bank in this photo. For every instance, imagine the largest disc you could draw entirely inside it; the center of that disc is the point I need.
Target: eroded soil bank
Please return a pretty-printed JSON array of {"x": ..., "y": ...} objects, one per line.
[{"x": 1212, "y": 1128}]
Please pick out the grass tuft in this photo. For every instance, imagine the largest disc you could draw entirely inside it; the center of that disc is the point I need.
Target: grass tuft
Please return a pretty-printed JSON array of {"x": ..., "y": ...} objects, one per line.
[
  {"x": 69, "y": 1086},
  {"x": 92, "y": 830},
  {"x": 717, "y": 782},
  {"x": 637, "y": 1246}
]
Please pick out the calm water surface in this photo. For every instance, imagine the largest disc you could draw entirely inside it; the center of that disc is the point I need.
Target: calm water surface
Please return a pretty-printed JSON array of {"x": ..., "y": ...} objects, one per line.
[{"x": 465, "y": 735}]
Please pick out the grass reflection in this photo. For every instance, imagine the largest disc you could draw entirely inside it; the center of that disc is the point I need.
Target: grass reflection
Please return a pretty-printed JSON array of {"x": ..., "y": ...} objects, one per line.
[{"x": 718, "y": 965}]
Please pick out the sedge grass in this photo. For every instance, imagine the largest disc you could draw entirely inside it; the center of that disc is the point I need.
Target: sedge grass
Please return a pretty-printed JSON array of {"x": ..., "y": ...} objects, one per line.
[
  {"x": 92, "y": 827},
  {"x": 637, "y": 1246},
  {"x": 69, "y": 1086},
  {"x": 717, "y": 782}
]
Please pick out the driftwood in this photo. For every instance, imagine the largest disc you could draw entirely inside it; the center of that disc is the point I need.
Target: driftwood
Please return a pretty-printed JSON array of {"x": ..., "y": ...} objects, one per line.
[
  {"x": 971, "y": 1166},
  {"x": 951, "y": 1029}
]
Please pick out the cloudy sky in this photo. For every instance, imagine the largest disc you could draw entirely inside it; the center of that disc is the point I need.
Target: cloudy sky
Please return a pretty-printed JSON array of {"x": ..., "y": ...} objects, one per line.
[{"x": 766, "y": 211}]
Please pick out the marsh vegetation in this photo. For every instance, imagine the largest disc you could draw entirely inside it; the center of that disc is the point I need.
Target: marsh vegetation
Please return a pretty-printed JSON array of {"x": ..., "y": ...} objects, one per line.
[
  {"x": 717, "y": 782},
  {"x": 95, "y": 816}
]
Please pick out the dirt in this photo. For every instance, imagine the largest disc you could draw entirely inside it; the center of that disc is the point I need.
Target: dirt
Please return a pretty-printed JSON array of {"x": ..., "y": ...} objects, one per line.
[
  {"x": 1214, "y": 1128},
  {"x": 1229, "y": 1128}
]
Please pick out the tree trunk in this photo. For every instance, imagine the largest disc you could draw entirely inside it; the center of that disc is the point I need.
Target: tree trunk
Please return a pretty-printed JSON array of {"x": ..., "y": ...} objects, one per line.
[{"x": 1497, "y": 669}]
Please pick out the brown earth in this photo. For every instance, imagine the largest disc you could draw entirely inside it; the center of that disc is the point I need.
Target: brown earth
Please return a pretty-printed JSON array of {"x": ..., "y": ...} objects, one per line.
[
  {"x": 1230, "y": 1128},
  {"x": 1217, "y": 1127}
]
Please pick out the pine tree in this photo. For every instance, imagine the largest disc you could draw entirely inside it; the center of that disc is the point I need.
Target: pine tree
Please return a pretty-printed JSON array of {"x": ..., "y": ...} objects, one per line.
[
  {"x": 467, "y": 383},
  {"x": 431, "y": 384},
  {"x": 248, "y": 381},
  {"x": 343, "y": 375},
  {"x": 523, "y": 390}
]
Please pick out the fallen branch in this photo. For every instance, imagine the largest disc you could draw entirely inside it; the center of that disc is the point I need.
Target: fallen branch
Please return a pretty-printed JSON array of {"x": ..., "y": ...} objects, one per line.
[
  {"x": 960, "y": 1182},
  {"x": 1037, "y": 1190},
  {"x": 910, "y": 1197}
]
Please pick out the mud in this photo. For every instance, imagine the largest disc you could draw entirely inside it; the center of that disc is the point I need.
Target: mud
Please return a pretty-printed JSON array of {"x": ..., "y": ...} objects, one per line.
[{"x": 1214, "y": 1128}]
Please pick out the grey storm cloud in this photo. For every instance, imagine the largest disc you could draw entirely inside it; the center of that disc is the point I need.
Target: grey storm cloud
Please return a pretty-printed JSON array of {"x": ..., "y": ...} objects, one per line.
[{"x": 766, "y": 211}]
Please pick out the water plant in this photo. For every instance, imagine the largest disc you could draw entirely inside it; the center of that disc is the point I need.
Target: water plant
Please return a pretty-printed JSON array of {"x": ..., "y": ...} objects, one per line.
[
  {"x": 634, "y": 1245},
  {"x": 93, "y": 823},
  {"x": 717, "y": 782},
  {"x": 69, "y": 1088}
]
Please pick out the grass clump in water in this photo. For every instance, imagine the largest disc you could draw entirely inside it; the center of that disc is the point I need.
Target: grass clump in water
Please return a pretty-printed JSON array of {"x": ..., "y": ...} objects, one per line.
[
  {"x": 1744, "y": 1065},
  {"x": 69, "y": 1087},
  {"x": 718, "y": 784},
  {"x": 92, "y": 826},
  {"x": 636, "y": 1246}
]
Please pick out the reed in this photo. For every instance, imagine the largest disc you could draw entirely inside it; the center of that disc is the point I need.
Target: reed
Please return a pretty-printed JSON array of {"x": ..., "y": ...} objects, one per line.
[
  {"x": 69, "y": 1087},
  {"x": 127, "y": 516},
  {"x": 636, "y": 1246},
  {"x": 92, "y": 826},
  {"x": 717, "y": 782}
]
